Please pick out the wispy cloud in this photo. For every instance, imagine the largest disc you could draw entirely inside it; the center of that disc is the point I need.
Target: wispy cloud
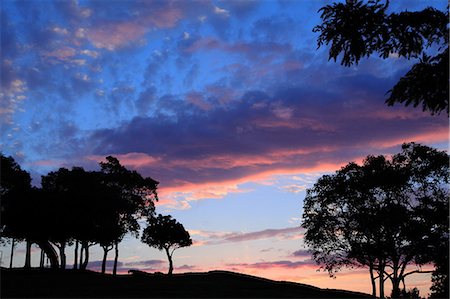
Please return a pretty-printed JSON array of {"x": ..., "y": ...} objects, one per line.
[
  {"x": 214, "y": 238},
  {"x": 145, "y": 263},
  {"x": 284, "y": 233},
  {"x": 294, "y": 188},
  {"x": 302, "y": 253},
  {"x": 309, "y": 264}
]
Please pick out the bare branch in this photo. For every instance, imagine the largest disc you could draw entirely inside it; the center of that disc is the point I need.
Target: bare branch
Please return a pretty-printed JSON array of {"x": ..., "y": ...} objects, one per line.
[{"x": 417, "y": 271}]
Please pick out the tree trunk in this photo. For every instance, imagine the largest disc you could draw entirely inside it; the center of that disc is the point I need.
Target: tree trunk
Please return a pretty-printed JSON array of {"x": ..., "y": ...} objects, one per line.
[
  {"x": 372, "y": 280},
  {"x": 404, "y": 286},
  {"x": 116, "y": 257},
  {"x": 395, "y": 281},
  {"x": 395, "y": 288},
  {"x": 170, "y": 262},
  {"x": 81, "y": 256},
  {"x": 62, "y": 255},
  {"x": 41, "y": 262},
  {"x": 28, "y": 255},
  {"x": 50, "y": 252},
  {"x": 75, "y": 260},
  {"x": 381, "y": 277},
  {"x": 105, "y": 255},
  {"x": 12, "y": 253},
  {"x": 86, "y": 256}
]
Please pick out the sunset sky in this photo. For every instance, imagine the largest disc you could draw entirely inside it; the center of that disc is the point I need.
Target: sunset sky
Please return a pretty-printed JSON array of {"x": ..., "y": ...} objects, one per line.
[{"x": 228, "y": 104}]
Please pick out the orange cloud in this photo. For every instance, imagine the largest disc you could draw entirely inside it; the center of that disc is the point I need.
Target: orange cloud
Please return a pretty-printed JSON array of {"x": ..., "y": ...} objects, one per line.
[
  {"x": 133, "y": 160},
  {"x": 439, "y": 135},
  {"x": 177, "y": 192},
  {"x": 197, "y": 191}
]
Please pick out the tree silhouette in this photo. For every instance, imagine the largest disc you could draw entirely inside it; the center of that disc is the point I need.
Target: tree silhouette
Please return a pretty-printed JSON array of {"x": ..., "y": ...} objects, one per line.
[
  {"x": 75, "y": 195},
  {"x": 357, "y": 30},
  {"x": 23, "y": 210},
  {"x": 384, "y": 215},
  {"x": 88, "y": 207},
  {"x": 136, "y": 198},
  {"x": 13, "y": 183},
  {"x": 166, "y": 233}
]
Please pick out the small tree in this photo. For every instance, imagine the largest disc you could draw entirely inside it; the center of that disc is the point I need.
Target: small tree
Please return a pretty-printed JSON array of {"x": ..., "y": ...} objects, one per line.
[{"x": 166, "y": 233}]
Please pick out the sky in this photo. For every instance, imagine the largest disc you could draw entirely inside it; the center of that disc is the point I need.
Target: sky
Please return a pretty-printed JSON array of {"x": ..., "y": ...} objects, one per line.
[{"x": 228, "y": 104}]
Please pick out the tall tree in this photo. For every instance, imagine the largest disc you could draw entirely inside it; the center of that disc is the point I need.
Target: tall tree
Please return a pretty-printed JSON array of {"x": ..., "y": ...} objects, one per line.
[
  {"x": 14, "y": 182},
  {"x": 383, "y": 215},
  {"x": 166, "y": 234},
  {"x": 68, "y": 191},
  {"x": 22, "y": 211},
  {"x": 86, "y": 197},
  {"x": 356, "y": 29},
  {"x": 137, "y": 197}
]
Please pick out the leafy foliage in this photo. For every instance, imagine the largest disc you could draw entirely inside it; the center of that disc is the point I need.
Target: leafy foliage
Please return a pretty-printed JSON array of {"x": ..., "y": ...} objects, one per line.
[
  {"x": 91, "y": 207},
  {"x": 15, "y": 188},
  {"x": 357, "y": 30},
  {"x": 385, "y": 214},
  {"x": 165, "y": 233}
]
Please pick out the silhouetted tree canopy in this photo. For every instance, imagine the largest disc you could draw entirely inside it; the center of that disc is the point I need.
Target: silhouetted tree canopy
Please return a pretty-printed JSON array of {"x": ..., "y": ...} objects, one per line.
[
  {"x": 15, "y": 185},
  {"x": 165, "y": 233},
  {"x": 356, "y": 30},
  {"x": 85, "y": 207},
  {"x": 12, "y": 176},
  {"x": 25, "y": 211},
  {"x": 137, "y": 194},
  {"x": 385, "y": 215},
  {"x": 137, "y": 200}
]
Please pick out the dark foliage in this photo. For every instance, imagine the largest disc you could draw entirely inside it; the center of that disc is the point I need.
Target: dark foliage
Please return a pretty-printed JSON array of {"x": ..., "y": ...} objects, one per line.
[
  {"x": 356, "y": 30},
  {"x": 86, "y": 207},
  {"x": 167, "y": 234},
  {"x": 383, "y": 215}
]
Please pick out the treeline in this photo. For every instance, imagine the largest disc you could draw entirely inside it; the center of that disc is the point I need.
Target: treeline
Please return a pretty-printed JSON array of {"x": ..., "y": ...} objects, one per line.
[
  {"x": 388, "y": 215},
  {"x": 83, "y": 208}
]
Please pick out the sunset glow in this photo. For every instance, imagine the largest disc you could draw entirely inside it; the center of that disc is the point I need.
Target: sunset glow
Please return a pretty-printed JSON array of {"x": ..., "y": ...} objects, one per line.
[{"x": 229, "y": 105}]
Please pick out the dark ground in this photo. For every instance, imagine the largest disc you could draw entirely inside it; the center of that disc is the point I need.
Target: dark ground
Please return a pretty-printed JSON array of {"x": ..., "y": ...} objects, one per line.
[{"x": 47, "y": 283}]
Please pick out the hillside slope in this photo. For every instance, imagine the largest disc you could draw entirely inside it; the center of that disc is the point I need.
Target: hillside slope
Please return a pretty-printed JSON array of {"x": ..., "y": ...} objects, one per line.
[{"x": 47, "y": 283}]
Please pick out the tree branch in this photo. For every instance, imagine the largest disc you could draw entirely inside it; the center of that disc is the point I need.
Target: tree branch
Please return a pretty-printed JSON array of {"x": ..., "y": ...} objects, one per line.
[{"x": 417, "y": 271}]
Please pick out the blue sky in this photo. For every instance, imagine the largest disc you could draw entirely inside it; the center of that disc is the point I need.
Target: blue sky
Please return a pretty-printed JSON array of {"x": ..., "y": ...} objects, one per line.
[{"x": 229, "y": 104}]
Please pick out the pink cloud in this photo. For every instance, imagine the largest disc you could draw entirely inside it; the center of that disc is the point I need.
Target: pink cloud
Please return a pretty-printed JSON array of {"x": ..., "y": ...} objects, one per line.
[
  {"x": 47, "y": 163},
  {"x": 198, "y": 100},
  {"x": 284, "y": 233},
  {"x": 244, "y": 48},
  {"x": 307, "y": 264},
  {"x": 133, "y": 160},
  {"x": 178, "y": 193},
  {"x": 62, "y": 53},
  {"x": 214, "y": 238},
  {"x": 291, "y": 65},
  {"x": 164, "y": 18},
  {"x": 113, "y": 35}
]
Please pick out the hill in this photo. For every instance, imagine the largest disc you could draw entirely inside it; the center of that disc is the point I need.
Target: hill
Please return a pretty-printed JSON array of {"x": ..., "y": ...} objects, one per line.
[{"x": 46, "y": 283}]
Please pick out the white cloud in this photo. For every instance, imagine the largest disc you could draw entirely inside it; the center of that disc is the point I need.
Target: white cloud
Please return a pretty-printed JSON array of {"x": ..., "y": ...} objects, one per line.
[{"x": 221, "y": 11}]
